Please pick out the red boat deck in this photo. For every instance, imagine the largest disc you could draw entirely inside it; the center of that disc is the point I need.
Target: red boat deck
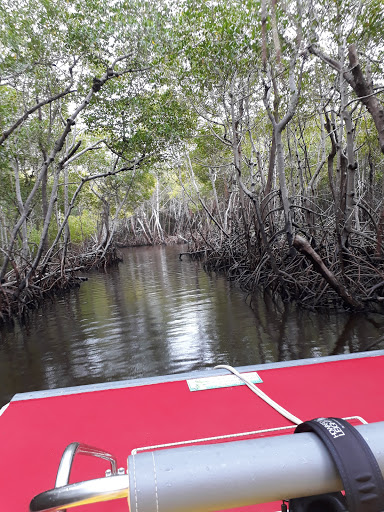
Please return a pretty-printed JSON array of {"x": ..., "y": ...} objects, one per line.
[{"x": 35, "y": 429}]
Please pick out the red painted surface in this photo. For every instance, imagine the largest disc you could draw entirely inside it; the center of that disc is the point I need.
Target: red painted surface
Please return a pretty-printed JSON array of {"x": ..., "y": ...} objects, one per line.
[{"x": 34, "y": 433}]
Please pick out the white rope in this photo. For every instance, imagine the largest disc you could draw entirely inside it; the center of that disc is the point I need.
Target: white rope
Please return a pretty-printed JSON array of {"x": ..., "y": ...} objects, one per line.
[
  {"x": 2, "y": 410},
  {"x": 261, "y": 394},
  {"x": 135, "y": 451}
]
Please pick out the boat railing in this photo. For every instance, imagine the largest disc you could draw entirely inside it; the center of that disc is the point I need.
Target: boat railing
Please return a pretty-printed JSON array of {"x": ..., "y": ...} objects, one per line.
[{"x": 113, "y": 486}]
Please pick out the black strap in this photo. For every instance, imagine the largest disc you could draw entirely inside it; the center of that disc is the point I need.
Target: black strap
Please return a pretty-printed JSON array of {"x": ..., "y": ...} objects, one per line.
[
  {"x": 331, "y": 502},
  {"x": 358, "y": 468}
]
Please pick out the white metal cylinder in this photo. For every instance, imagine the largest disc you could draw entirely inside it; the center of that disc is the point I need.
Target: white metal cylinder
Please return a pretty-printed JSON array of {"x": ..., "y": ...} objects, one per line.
[{"x": 226, "y": 475}]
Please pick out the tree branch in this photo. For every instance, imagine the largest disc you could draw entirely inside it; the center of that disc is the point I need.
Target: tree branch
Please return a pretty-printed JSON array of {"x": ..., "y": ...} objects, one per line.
[{"x": 25, "y": 116}]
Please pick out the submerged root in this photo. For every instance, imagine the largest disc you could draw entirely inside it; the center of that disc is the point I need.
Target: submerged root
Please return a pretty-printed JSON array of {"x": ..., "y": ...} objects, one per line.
[
  {"x": 314, "y": 276},
  {"x": 21, "y": 293}
]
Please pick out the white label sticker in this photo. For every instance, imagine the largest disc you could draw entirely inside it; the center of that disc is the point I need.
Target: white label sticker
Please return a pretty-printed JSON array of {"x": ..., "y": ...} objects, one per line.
[{"x": 222, "y": 381}]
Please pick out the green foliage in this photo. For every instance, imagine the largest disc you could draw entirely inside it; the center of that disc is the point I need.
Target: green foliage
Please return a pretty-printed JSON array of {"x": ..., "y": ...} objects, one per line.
[
  {"x": 35, "y": 234},
  {"x": 34, "y": 238},
  {"x": 208, "y": 50},
  {"x": 82, "y": 227},
  {"x": 182, "y": 63},
  {"x": 147, "y": 123}
]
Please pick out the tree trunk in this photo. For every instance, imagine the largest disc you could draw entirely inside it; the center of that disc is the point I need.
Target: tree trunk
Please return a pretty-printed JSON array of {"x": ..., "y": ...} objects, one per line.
[
  {"x": 303, "y": 246},
  {"x": 350, "y": 202},
  {"x": 283, "y": 186},
  {"x": 24, "y": 234},
  {"x": 47, "y": 221},
  {"x": 67, "y": 234},
  {"x": 57, "y": 147},
  {"x": 278, "y": 127},
  {"x": 364, "y": 90},
  {"x": 362, "y": 87},
  {"x": 236, "y": 149},
  {"x": 271, "y": 167}
]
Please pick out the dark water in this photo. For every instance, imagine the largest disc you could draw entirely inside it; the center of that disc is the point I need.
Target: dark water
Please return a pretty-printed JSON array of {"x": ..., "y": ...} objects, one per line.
[{"x": 156, "y": 315}]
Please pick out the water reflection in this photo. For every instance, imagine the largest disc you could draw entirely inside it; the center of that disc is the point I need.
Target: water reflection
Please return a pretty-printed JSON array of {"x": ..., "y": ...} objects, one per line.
[{"x": 154, "y": 315}]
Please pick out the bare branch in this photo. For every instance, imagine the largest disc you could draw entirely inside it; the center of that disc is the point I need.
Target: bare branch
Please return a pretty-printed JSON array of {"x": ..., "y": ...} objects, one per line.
[{"x": 25, "y": 116}]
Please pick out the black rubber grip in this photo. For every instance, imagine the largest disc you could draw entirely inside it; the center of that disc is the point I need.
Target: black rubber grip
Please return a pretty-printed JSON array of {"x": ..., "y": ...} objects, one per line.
[{"x": 358, "y": 467}]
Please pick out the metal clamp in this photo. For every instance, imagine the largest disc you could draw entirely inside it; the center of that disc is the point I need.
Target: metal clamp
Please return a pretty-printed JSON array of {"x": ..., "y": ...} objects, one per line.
[{"x": 66, "y": 495}]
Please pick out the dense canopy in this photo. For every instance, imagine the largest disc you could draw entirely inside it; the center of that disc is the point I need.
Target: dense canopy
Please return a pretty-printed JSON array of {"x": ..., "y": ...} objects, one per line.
[{"x": 254, "y": 130}]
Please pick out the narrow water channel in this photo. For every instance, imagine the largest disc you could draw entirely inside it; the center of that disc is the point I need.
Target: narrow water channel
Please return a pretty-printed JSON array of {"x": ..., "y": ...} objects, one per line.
[{"x": 156, "y": 315}]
